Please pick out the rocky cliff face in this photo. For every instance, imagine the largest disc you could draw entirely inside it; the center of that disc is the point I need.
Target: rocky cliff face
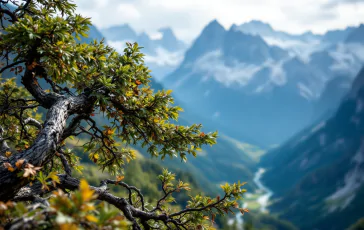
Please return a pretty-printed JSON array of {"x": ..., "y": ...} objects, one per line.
[{"x": 318, "y": 176}]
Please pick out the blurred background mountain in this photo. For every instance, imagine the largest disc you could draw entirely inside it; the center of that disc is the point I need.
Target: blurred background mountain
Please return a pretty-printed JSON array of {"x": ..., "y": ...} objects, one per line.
[
  {"x": 289, "y": 103},
  {"x": 289, "y": 109}
]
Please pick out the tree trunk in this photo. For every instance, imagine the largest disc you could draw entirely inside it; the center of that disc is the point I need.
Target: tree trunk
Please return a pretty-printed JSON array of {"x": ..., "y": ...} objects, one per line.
[{"x": 44, "y": 147}]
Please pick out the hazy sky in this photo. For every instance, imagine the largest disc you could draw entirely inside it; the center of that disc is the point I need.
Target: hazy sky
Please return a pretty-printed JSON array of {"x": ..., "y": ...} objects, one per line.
[{"x": 188, "y": 17}]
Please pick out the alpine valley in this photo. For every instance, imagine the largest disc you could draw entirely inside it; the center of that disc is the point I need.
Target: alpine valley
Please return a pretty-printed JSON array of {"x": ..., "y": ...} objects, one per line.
[
  {"x": 317, "y": 176},
  {"x": 289, "y": 103},
  {"x": 289, "y": 109}
]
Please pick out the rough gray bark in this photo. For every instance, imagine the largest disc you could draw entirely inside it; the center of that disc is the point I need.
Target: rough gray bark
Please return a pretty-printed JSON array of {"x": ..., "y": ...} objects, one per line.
[
  {"x": 30, "y": 83},
  {"x": 33, "y": 122},
  {"x": 3, "y": 144},
  {"x": 45, "y": 145}
]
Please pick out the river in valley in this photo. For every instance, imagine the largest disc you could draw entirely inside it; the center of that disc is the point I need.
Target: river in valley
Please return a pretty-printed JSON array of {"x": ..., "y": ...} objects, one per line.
[{"x": 263, "y": 199}]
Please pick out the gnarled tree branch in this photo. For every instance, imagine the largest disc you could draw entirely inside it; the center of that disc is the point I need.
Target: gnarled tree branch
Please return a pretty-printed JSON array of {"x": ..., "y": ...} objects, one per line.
[
  {"x": 72, "y": 127},
  {"x": 45, "y": 145},
  {"x": 10, "y": 14},
  {"x": 4, "y": 147},
  {"x": 33, "y": 122},
  {"x": 32, "y": 85},
  {"x": 10, "y": 66}
]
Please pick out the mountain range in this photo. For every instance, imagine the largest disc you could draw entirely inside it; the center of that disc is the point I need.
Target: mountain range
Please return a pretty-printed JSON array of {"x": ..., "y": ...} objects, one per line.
[
  {"x": 264, "y": 90},
  {"x": 124, "y": 32},
  {"x": 255, "y": 84},
  {"x": 163, "y": 54},
  {"x": 317, "y": 176},
  {"x": 260, "y": 87}
]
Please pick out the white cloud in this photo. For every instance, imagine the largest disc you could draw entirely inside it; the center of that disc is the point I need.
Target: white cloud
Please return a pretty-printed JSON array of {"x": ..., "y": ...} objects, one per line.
[
  {"x": 348, "y": 58},
  {"x": 240, "y": 74},
  {"x": 211, "y": 65},
  {"x": 119, "y": 46},
  {"x": 188, "y": 17},
  {"x": 164, "y": 57},
  {"x": 128, "y": 11},
  {"x": 300, "y": 48},
  {"x": 161, "y": 57},
  {"x": 278, "y": 75}
]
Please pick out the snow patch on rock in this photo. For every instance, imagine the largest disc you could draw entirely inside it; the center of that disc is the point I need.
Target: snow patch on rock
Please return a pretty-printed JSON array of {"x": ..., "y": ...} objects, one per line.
[
  {"x": 213, "y": 66},
  {"x": 305, "y": 91},
  {"x": 318, "y": 127},
  {"x": 348, "y": 58},
  {"x": 352, "y": 181}
]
